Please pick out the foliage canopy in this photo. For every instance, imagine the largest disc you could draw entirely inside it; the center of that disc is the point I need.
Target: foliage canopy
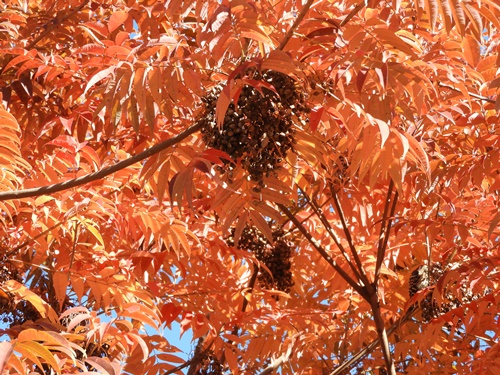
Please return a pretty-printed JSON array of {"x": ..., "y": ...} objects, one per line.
[{"x": 279, "y": 177}]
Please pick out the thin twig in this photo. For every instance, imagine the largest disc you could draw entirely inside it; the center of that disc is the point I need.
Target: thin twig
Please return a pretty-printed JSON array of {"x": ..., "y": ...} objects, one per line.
[
  {"x": 353, "y": 12},
  {"x": 476, "y": 96},
  {"x": 251, "y": 285},
  {"x": 358, "y": 288},
  {"x": 296, "y": 24},
  {"x": 50, "y": 189},
  {"x": 348, "y": 236},
  {"x": 52, "y": 24},
  {"x": 384, "y": 232},
  {"x": 329, "y": 229}
]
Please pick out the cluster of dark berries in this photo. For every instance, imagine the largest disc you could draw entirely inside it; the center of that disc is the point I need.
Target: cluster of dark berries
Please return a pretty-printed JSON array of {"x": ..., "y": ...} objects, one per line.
[
  {"x": 277, "y": 257},
  {"x": 426, "y": 276},
  {"x": 8, "y": 312},
  {"x": 210, "y": 365},
  {"x": 257, "y": 131}
]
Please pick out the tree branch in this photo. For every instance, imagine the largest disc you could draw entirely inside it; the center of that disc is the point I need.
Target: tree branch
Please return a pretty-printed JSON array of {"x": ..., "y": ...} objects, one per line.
[
  {"x": 52, "y": 24},
  {"x": 348, "y": 237},
  {"x": 358, "y": 288},
  {"x": 382, "y": 333},
  {"x": 296, "y": 24},
  {"x": 476, "y": 96},
  {"x": 329, "y": 229},
  {"x": 251, "y": 285},
  {"x": 385, "y": 227},
  {"x": 50, "y": 189},
  {"x": 194, "y": 360},
  {"x": 370, "y": 347},
  {"x": 353, "y": 12}
]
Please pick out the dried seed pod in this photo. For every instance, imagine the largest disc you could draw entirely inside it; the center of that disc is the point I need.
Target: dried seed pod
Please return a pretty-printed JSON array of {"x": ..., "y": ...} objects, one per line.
[
  {"x": 265, "y": 123},
  {"x": 277, "y": 257}
]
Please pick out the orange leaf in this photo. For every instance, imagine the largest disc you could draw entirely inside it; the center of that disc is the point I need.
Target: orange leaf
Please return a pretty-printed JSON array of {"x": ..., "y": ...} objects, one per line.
[
  {"x": 60, "y": 285},
  {"x": 261, "y": 225},
  {"x": 6, "y": 349},
  {"x": 232, "y": 360},
  {"x": 116, "y": 20},
  {"x": 471, "y": 49}
]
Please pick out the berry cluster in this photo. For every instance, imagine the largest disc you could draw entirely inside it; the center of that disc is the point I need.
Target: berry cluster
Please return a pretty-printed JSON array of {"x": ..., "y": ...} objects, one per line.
[
  {"x": 210, "y": 365},
  {"x": 424, "y": 277},
  {"x": 258, "y": 130},
  {"x": 277, "y": 258}
]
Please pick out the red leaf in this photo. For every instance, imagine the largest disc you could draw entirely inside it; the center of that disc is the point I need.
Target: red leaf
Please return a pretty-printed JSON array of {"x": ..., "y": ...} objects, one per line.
[
  {"x": 360, "y": 79},
  {"x": 315, "y": 117},
  {"x": 67, "y": 142},
  {"x": 186, "y": 322},
  {"x": 216, "y": 156}
]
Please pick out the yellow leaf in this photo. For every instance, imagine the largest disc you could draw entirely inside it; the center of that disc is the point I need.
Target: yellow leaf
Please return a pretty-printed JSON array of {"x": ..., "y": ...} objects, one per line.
[
  {"x": 34, "y": 350},
  {"x": 93, "y": 230}
]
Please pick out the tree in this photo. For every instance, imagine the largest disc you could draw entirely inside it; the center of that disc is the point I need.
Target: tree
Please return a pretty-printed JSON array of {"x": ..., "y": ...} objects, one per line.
[{"x": 309, "y": 187}]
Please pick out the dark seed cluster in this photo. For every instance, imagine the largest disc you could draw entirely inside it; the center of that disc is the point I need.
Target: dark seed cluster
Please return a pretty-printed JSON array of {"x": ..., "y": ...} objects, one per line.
[
  {"x": 277, "y": 258},
  {"x": 9, "y": 312},
  {"x": 210, "y": 365},
  {"x": 258, "y": 130},
  {"x": 426, "y": 276}
]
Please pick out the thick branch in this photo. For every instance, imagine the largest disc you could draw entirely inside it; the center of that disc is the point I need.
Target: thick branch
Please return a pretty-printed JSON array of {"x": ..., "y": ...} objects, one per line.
[
  {"x": 194, "y": 360},
  {"x": 382, "y": 334},
  {"x": 193, "y": 365},
  {"x": 50, "y": 189},
  {"x": 358, "y": 288}
]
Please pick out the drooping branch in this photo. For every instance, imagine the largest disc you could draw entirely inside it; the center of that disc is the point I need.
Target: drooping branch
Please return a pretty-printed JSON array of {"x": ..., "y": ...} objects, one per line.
[
  {"x": 358, "y": 288},
  {"x": 50, "y": 189}
]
